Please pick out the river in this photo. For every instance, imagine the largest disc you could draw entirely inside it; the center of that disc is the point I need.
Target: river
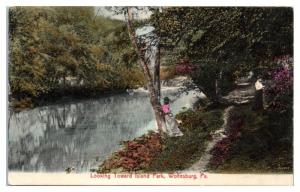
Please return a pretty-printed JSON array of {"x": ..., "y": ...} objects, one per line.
[{"x": 81, "y": 134}]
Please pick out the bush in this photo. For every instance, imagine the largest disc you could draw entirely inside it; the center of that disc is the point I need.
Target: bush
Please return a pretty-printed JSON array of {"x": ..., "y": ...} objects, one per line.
[
  {"x": 257, "y": 142},
  {"x": 184, "y": 67},
  {"x": 280, "y": 90},
  {"x": 136, "y": 154}
]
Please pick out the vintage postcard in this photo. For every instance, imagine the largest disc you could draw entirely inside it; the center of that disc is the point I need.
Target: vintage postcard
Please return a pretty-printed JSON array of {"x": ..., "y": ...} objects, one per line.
[{"x": 165, "y": 95}]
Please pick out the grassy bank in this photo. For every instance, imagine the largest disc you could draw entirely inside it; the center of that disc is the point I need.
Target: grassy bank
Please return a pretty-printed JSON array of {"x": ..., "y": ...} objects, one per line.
[
  {"x": 263, "y": 145},
  {"x": 181, "y": 152},
  {"x": 256, "y": 142}
]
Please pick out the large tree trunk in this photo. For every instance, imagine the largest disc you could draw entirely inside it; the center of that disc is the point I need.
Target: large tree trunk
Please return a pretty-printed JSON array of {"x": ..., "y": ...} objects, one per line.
[
  {"x": 150, "y": 83},
  {"x": 157, "y": 73}
]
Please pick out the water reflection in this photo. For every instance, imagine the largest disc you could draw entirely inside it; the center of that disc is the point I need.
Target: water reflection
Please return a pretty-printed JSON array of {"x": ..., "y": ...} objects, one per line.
[{"x": 80, "y": 134}]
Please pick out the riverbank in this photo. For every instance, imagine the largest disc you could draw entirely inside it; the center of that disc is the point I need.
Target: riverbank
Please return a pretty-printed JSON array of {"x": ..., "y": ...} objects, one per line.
[
  {"x": 73, "y": 94},
  {"x": 152, "y": 153},
  {"x": 247, "y": 141}
]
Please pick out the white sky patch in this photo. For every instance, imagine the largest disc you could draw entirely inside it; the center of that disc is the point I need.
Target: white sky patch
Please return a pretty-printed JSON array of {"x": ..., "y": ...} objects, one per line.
[{"x": 143, "y": 13}]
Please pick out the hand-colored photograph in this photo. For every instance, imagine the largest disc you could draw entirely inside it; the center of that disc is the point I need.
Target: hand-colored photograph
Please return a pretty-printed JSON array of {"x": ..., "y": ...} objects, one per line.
[{"x": 150, "y": 95}]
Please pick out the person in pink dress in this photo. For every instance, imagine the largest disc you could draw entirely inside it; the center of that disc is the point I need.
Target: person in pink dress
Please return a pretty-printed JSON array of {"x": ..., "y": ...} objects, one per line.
[
  {"x": 171, "y": 123},
  {"x": 166, "y": 107}
]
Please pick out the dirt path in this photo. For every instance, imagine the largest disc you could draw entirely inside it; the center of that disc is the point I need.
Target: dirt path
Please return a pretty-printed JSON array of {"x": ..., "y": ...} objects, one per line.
[
  {"x": 216, "y": 137},
  {"x": 244, "y": 93}
]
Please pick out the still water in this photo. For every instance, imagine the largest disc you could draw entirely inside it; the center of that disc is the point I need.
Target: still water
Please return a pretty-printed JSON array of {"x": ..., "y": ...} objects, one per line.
[{"x": 81, "y": 134}]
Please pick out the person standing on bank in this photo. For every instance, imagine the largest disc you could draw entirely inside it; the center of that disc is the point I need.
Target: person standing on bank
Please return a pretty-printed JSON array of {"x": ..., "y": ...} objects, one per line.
[
  {"x": 171, "y": 123},
  {"x": 258, "y": 99}
]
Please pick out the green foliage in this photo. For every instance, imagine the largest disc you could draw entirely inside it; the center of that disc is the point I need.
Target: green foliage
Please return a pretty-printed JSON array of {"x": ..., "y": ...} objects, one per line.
[
  {"x": 233, "y": 40},
  {"x": 59, "y": 49},
  {"x": 227, "y": 34},
  {"x": 208, "y": 121},
  {"x": 265, "y": 144}
]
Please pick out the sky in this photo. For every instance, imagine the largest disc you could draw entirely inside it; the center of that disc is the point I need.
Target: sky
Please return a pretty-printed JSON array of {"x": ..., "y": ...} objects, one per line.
[{"x": 141, "y": 14}]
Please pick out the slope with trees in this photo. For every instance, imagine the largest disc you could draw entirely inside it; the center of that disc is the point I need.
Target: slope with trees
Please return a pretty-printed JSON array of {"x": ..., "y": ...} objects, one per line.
[{"x": 57, "y": 51}]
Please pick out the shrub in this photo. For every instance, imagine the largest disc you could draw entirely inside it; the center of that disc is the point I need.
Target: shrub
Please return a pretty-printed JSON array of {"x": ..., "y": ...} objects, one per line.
[
  {"x": 280, "y": 90},
  {"x": 184, "y": 67},
  {"x": 136, "y": 154}
]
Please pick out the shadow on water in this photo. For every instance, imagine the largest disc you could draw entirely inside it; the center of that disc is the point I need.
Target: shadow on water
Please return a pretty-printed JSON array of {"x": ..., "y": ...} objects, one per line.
[{"x": 83, "y": 133}]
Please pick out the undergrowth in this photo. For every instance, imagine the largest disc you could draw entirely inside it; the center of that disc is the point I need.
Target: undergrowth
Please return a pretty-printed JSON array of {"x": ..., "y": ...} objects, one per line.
[{"x": 263, "y": 143}]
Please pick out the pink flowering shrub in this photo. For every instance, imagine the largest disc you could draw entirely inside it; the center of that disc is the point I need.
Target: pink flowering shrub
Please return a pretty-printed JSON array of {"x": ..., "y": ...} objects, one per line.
[
  {"x": 221, "y": 151},
  {"x": 184, "y": 67},
  {"x": 283, "y": 79},
  {"x": 280, "y": 90}
]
